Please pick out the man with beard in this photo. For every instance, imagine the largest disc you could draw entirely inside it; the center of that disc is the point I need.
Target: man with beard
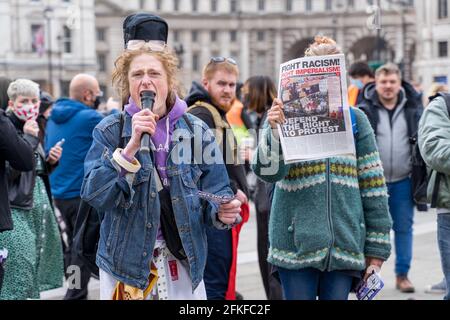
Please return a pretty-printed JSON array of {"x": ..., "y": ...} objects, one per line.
[
  {"x": 394, "y": 109},
  {"x": 210, "y": 101}
]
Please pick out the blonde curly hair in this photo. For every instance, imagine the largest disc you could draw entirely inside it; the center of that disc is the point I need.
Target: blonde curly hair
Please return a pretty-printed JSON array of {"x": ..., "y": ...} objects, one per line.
[
  {"x": 122, "y": 66},
  {"x": 322, "y": 46}
]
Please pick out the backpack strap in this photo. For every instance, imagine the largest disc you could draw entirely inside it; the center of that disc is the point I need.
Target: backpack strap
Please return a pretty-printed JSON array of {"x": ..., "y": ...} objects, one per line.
[
  {"x": 435, "y": 194},
  {"x": 445, "y": 96},
  {"x": 217, "y": 118},
  {"x": 122, "y": 139},
  {"x": 189, "y": 124},
  {"x": 221, "y": 127}
]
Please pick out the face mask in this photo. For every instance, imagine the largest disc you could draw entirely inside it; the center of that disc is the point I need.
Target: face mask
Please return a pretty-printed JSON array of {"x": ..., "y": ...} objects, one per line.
[
  {"x": 97, "y": 102},
  {"x": 26, "y": 112},
  {"x": 357, "y": 83}
]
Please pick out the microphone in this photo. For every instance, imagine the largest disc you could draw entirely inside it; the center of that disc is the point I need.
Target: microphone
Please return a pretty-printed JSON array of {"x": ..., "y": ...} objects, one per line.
[{"x": 147, "y": 101}]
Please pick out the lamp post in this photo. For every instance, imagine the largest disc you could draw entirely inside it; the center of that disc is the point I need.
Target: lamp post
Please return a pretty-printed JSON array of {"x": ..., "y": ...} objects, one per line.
[
  {"x": 339, "y": 7},
  {"x": 179, "y": 50},
  {"x": 374, "y": 23},
  {"x": 47, "y": 15},
  {"x": 403, "y": 5},
  {"x": 379, "y": 32}
]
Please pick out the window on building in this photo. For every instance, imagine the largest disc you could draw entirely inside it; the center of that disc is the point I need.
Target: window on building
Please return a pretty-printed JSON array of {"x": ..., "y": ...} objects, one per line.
[
  {"x": 351, "y": 3},
  {"x": 233, "y": 35},
  {"x": 104, "y": 89},
  {"x": 308, "y": 5},
  {"x": 176, "y": 5},
  {"x": 194, "y": 35},
  {"x": 261, "y": 5},
  {"x": 370, "y": 2},
  {"x": 37, "y": 38},
  {"x": 235, "y": 56},
  {"x": 289, "y": 5},
  {"x": 101, "y": 34},
  {"x": 213, "y": 35},
  {"x": 67, "y": 40},
  {"x": 65, "y": 85},
  {"x": 213, "y": 5},
  {"x": 443, "y": 9},
  {"x": 142, "y": 4},
  {"x": 101, "y": 62},
  {"x": 194, "y": 5},
  {"x": 328, "y": 5},
  {"x": 176, "y": 36},
  {"x": 443, "y": 49},
  {"x": 261, "y": 36},
  {"x": 233, "y": 6},
  {"x": 261, "y": 58},
  {"x": 195, "y": 62}
]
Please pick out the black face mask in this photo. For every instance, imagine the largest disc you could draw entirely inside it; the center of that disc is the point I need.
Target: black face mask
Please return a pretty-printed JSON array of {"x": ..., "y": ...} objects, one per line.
[{"x": 97, "y": 102}]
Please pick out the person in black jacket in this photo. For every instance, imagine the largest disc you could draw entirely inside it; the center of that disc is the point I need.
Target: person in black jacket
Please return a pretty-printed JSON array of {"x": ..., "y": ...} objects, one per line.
[
  {"x": 35, "y": 259},
  {"x": 210, "y": 101},
  {"x": 18, "y": 153},
  {"x": 4, "y": 83}
]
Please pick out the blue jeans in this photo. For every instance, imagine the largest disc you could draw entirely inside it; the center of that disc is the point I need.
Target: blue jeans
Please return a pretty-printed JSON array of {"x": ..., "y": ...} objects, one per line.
[
  {"x": 401, "y": 207},
  {"x": 308, "y": 284},
  {"x": 218, "y": 263},
  {"x": 443, "y": 222}
]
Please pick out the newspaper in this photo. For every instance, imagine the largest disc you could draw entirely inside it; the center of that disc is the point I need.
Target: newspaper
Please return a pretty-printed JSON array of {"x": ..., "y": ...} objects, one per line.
[{"x": 318, "y": 122}]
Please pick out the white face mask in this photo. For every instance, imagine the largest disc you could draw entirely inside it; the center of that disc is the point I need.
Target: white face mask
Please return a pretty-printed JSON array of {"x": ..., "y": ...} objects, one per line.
[{"x": 26, "y": 111}]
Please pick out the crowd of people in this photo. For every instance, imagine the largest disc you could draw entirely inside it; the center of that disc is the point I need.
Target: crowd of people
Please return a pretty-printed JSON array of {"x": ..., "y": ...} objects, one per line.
[{"x": 170, "y": 179}]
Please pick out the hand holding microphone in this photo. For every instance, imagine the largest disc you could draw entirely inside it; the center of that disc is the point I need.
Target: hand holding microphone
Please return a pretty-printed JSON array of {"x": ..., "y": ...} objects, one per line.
[
  {"x": 147, "y": 102},
  {"x": 143, "y": 125}
]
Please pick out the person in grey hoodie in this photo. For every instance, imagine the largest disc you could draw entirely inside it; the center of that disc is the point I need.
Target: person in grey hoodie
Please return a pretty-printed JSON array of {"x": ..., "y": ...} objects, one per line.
[{"x": 394, "y": 109}]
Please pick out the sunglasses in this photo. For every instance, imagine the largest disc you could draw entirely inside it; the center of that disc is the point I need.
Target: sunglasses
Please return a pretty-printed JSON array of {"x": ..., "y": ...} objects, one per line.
[
  {"x": 152, "y": 45},
  {"x": 222, "y": 60}
]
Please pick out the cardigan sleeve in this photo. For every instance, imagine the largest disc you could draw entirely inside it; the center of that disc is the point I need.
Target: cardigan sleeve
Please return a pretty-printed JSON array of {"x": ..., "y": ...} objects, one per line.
[{"x": 268, "y": 163}]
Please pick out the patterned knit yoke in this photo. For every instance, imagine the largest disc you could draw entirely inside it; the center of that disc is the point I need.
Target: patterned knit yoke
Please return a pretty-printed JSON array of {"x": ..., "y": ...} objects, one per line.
[{"x": 331, "y": 213}]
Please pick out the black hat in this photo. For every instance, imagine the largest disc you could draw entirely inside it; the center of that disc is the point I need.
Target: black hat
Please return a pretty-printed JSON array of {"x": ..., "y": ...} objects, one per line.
[
  {"x": 144, "y": 26},
  {"x": 46, "y": 101}
]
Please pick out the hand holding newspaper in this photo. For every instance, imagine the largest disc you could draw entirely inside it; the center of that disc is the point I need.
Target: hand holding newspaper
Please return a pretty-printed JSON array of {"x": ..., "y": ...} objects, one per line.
[
  {"x": 369, "y": 288},
  {"x": 314, "y": 94}
]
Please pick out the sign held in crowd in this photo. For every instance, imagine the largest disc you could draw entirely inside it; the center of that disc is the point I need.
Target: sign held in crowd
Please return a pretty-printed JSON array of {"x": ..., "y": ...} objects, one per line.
[{"x": 318, "y": 122}]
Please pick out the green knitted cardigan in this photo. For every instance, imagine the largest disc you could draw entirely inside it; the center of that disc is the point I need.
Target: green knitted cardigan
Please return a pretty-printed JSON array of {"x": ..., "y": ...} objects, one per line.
[{"x": 327, "y": 214}]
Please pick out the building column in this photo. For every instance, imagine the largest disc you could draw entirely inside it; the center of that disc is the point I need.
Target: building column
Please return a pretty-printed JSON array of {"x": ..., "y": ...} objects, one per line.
[
  {"x": 224, "y": 38},
  {"x": 186, "y": 40},
  {"x": 245, "y": 56},
  {"x": 205, "y": 52},
  {"x": 278, "y": 52}
]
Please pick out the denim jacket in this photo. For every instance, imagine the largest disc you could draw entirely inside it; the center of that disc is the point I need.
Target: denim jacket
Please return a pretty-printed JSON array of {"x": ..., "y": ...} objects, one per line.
[{"x": 129, "y": 205}]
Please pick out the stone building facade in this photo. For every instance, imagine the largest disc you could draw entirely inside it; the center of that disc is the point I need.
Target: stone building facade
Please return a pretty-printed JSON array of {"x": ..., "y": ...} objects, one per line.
[{"x": 259, "y": 34}]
